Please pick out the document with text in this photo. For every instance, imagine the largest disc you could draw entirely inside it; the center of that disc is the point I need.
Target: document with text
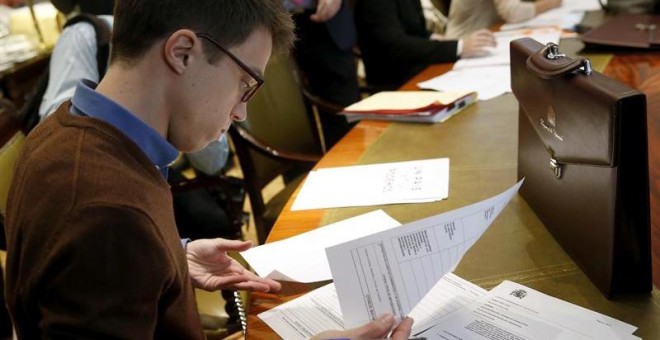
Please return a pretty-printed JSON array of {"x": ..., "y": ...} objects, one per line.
[
  {"x": 391, "y": 271},
  {"x": 516, "y": 312},
  {"x": 319, "y": 310},
  {"x": 375, "y": 184}
]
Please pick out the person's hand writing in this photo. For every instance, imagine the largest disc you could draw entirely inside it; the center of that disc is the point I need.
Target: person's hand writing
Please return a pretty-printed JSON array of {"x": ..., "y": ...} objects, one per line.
[
  {"x": 478, "y": 43},
  {"x": 211, "y": 268},
  {"x": 325, "y": 10},
  {"x": 377, "y": 329}
]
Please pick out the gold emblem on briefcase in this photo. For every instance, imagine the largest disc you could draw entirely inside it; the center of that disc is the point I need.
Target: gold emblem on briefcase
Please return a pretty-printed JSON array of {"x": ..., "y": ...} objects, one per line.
[
  {"x": 550, "y": 126},
  {"x": 551, "y": 116}
]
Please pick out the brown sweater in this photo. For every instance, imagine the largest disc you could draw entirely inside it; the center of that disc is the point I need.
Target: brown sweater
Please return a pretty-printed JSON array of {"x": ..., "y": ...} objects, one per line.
[{"x": 93, "y": 250}]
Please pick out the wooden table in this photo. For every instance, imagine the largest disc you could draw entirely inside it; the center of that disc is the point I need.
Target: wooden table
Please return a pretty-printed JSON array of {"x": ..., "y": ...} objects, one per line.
[{"x": 533, "y": 258}]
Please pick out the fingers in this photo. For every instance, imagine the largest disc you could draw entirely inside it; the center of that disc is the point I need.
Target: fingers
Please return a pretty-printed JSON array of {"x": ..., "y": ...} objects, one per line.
[
  {"x": 237, "y": 277},
  {"x": 402, "y": 331},
  {"x": 483, "y": 37},
  {"x": 325, "y": 10},
  {"x": 478, "y": 43},
  {"x": 231, "y": 245},
  {"x": 375, "y": 329}
]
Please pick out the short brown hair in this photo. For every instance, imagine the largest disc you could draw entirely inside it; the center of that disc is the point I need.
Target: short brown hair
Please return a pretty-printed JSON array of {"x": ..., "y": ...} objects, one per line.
[{"x": 138, "y": 24}]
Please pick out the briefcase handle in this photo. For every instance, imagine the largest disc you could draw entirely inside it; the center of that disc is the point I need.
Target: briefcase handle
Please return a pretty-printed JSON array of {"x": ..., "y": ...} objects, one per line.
[{"x": 548, "y": 63}]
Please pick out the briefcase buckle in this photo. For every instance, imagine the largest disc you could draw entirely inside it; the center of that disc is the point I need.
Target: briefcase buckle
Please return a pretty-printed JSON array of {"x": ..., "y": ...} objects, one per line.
[
  {"x": 553, "y": 52},
  {"x": 555, "y": 167}
]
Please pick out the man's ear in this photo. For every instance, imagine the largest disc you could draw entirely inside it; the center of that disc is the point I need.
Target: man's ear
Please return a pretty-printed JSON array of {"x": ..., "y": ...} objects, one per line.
[{"x": 180, "y": 48}]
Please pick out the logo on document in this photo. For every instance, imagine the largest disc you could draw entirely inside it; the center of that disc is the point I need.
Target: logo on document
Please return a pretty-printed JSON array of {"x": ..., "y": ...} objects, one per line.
[{"x": 519, "y": 293}]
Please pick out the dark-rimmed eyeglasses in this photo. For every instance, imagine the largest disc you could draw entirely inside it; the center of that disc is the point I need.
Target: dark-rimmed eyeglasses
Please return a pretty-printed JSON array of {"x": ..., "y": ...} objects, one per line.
[{"x": 251, "y": 88}]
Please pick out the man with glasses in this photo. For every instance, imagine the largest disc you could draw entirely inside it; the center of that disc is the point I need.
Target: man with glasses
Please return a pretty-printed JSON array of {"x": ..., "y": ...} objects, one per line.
[{"x": 93, "y": 250}]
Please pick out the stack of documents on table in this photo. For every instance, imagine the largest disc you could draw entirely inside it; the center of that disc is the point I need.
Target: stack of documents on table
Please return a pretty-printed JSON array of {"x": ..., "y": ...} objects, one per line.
[
  {"x": 389, "y": 271},
  {"x": 490, "y": 75},
  {"x": 457, "y": 309},
  {"x": 375, "y": 184},
  {"x": 410, "y": 106},
  {"x": 406, "y": 271}
]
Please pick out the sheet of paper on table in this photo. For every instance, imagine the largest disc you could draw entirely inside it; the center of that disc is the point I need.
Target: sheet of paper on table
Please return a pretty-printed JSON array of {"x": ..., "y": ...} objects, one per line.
[
  {"x": 513, "y": 311},
  {"x": 375, "y": 184},
  {"x": 302, "y": 258}
]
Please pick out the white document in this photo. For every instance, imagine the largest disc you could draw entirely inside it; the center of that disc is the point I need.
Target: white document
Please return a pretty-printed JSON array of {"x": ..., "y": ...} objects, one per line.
[
  {"x": 447, "y": 296},
  {"x": 513, "y": 311},
  {"x": 375, "y": 184},
  {"x": 488, "y": 81},
  {"x": 302, "y": 258},
  {"x": 566, "y": 16},
  {"x": 319, "y": 310},
  {"x": 500, "y": 54},
  {"x": 391, "y": 271}
]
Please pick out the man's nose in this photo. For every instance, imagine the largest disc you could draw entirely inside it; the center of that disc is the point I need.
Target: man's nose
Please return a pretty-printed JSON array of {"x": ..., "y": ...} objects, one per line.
[{"x": 239, "y": 113}]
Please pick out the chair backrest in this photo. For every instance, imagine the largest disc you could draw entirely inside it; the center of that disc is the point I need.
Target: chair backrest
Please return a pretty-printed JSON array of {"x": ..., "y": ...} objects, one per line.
[
  {"x": 11, "y": 140},
  {"x": 278, "y": 139}
]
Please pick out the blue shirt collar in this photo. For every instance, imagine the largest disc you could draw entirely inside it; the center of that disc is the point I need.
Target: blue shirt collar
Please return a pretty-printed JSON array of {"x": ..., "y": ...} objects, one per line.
[{"x": 86, "y": 101}]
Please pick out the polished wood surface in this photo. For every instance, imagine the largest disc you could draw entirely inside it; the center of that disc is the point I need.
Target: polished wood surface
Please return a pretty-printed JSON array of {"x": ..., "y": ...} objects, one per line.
[{"x": 640, "y": 70}]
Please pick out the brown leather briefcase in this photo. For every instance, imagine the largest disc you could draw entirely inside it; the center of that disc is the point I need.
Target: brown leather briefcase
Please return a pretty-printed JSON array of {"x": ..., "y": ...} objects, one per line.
[{"x": 583, "y": 153}]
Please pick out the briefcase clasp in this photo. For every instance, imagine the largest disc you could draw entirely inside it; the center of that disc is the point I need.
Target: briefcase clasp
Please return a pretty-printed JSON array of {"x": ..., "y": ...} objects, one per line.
[
  {"x": 555, "y": 167},
  {"x": 553, "y": 52}
]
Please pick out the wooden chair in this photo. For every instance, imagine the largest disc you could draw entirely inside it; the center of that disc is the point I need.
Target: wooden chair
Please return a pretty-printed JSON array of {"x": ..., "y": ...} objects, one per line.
[
  {"x": 230, "y": 196},
  {"x": 278, "y": 139},
  {"x": 11, "y": 140}
]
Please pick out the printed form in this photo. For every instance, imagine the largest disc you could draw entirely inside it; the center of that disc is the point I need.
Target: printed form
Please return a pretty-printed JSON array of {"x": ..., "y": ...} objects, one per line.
[
  {"x": 319, "y": 310},
  {"x": 391, "y": 271},
  {"x": 516, "y": 312}
]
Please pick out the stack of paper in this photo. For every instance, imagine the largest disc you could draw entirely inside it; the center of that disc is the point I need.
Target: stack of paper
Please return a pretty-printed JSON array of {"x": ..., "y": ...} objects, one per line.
[
  {"x": 458, "y": 309},
  {"x": 319, "y": 311},
  {"x": 410, "y": 106},
  {"x": 514, "y": 311},
  {"x": 405, "y": 271},
  {"x": 399, "y": 264},
  {"x": 376, "y": 184}
]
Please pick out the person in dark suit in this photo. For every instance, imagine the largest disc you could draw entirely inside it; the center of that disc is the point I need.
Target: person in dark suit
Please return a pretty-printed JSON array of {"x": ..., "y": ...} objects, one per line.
[
  {"x": 324, "y": 52},
  {"x": 396, "y": 45}
]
